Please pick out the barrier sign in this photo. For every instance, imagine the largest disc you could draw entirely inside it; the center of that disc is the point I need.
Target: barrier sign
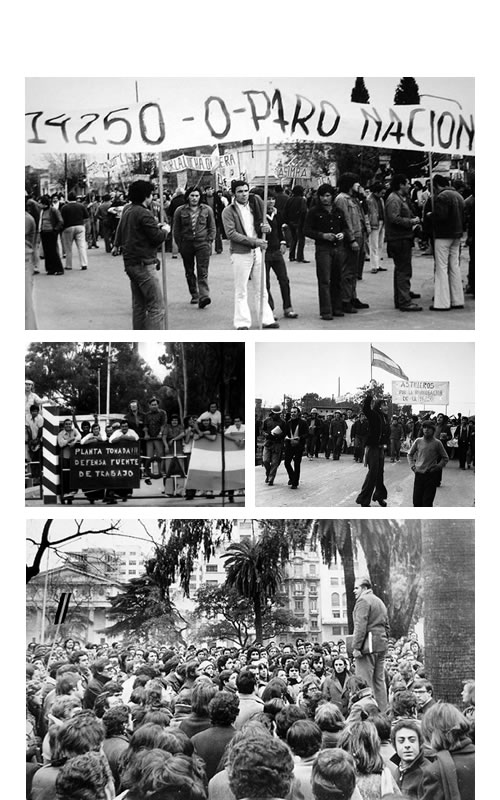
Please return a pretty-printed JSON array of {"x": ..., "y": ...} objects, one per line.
[
  {"x": 103, "y": 466},
  {"x": 197, "y": 112},
  {"x": 425, "y": 392}
]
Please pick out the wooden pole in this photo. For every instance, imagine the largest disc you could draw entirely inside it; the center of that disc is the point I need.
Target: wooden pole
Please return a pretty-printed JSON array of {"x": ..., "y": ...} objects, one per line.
[
  {"x": 44, "y": 601},
  {"x": 263, "y": 236},
  {"x": 108, "y": 381},
  {"x": 163, "y": 252}
]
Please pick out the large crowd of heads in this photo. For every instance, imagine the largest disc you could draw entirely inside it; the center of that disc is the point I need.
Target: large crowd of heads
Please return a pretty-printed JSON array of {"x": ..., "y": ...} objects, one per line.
[{"x": 286, "y": 720}]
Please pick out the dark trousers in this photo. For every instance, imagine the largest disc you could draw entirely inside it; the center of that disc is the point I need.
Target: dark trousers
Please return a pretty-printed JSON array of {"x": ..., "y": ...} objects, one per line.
[
  {"x": 53, "y": 261},
  {"x": 350, "y": 263},
  {"x": 359, "y": 447},
  {"x": 472, "y": 266},
  {"x": 193, "y": 252},
  {"x": 313, "y": 444},
  {"x": 424, "y": 488},
  {"x": 275, "y": 262},
  {"x": 373, "y": 486},
  {"x": 329, "y": 276},
  {"x": 400, "y": 251},
  {"x": 395, "y": 448},
  {"x": 297, "y": 242},
  {"x": 293, "y": 457},
  {"x": 328, "y": 447},
  {"x": 337, "y": 442},
  {"x": 218, "y": 237},
  {"x": 371, "y": 669},
  {"x": 361, "y": 257},
  {"x": 462, "y": 453}
]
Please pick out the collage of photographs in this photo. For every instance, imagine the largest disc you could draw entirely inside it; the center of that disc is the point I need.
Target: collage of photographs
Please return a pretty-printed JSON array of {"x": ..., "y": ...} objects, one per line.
[{"x": 264, "y": 306}]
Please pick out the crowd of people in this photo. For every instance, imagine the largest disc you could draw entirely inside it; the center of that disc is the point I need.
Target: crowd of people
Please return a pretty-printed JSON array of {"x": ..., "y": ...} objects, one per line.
[
  {"x": 205, "y": 722},
  {"x": 160, "y": 437},
  {"x": 368, "y": 436},
  {"x": 348, "y": 224}
]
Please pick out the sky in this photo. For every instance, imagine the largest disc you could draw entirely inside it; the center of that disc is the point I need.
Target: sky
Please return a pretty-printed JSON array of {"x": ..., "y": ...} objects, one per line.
[
  {"x": 150, "y": 352},
  {"x": 297, "y": 368}
]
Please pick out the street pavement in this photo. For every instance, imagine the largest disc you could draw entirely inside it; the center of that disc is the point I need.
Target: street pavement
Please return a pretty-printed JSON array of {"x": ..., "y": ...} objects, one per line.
[
  {"x": 99, "y": 298},
  {"x": 337, "y": 483},
  {"x": 144, "y": 496}
]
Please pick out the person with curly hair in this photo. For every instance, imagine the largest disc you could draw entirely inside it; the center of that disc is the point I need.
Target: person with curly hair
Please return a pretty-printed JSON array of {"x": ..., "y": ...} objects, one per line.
[
  {"x": 210, "y": 744},
  {"x": 85, "y": 777},
  {"x": 262, "y": 770},
  {"x": 330, "y": 721},
  {"x": 165, "y": 776}
]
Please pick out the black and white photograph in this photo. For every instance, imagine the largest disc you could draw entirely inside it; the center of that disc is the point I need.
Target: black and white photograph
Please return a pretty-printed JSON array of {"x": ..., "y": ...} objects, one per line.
[
  {"x": 243, "y": 203},
  {"x": 142, "y": 423},
  {"x": 368, "y": 424},
  {"x": 273, "y": 658}
]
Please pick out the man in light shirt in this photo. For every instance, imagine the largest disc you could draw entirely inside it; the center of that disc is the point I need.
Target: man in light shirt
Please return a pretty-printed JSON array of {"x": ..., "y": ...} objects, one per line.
[{"x": 244, "y": 225}]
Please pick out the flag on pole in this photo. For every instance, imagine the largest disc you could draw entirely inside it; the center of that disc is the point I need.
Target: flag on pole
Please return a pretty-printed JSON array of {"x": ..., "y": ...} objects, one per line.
[
  {"x": 62, "y": 608},
  {"x": 383, "y": 361}
]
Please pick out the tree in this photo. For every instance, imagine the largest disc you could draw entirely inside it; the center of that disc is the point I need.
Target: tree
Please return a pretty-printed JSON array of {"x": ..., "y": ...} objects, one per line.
[
  {"x": 251, "y": 572},
  {"x": 309, "y": 400},
  {"x": 201, "y": 372},
  {"x": 407, "y": 93},
  {"x": 335, "y": 537},
  {"x": 334, "y": 159},
  {"x": 44, "y": 542},
  {"x": 69, "y": 371},
  {"x": 230, "y": 616},
  {"x": 144, "y": 610},
  {"x": 376, "y": 389},
  {"x": 360, "y": 93},
  {"x": 449, "y": 629}
]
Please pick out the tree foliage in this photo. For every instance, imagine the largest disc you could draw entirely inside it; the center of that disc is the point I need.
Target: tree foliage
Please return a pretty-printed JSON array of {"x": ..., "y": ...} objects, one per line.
[
  {"x": 201, "y": 372},
  {"x": 407, "y": 162},
  {"x": 334, "y": 159},
  {"x": 69, "y": 371},
  {"x": 407, "y": 93},
  {"x": 359, "y": 92},
  {"x": 230, "y": 617}
]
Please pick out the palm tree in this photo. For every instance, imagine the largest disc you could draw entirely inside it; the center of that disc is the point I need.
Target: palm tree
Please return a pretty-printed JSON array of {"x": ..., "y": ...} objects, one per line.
[
  {"x": 255, "y": 574},
  {"x": 448, "y": 567}
]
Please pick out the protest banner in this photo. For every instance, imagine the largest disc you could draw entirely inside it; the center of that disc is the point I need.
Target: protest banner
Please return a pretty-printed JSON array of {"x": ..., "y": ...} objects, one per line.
[
  {"x": 101, "y": 465},
  {"x": 244, "y": 108},
  {"x": 203, "y": 163},
  {"x": 205, "y": 466},
  {"x": 425, "y": 392}
]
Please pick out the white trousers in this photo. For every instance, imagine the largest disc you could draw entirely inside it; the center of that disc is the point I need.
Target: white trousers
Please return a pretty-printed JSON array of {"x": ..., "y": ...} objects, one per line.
[
  {"x": 244, "y": 266},
  {"x": 448, "y": 288},
  {"x": 376, "y": 245}
]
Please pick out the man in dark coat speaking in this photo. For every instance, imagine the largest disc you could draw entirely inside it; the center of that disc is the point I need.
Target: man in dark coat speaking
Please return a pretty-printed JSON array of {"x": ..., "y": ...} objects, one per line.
[{"x": 369, "y": 641}]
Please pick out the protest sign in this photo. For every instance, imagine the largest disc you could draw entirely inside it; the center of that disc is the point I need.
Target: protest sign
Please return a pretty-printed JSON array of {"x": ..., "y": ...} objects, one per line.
[
  {"x": 410, "y": 392},
  {"x": 102, "y": 465},
  {"x": 248, "y": 108}
]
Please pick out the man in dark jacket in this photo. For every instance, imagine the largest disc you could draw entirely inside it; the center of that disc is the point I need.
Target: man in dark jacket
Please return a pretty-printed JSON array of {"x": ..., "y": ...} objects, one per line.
[
  {"x": 75, "y": 216},
  {"x": 194, "y": 232},
  {"x": 272, "y": 429},
  {"x": 338, "y": 430},
  {"x": 376, "y": 441},
  {"x": 406, "y": 738},
  {"x": 447, "y": 219},
  {"x": 276, "y": 247},
  {"x": 296, "y": 430},
  {"x": 400, "y": 225},
  {"x": 326, "y": 224},
  {"x": 139, "y": 235},
  {"x": 359, "y": 434},
  {"x": 369, "y": 641}
]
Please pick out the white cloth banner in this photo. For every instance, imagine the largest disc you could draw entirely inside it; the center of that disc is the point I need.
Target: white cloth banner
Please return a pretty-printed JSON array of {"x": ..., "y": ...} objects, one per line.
[
  {"x": 203, "y": 163},
  {"x": 425, "y": 392},
  {"x": 247, "y": 108}
]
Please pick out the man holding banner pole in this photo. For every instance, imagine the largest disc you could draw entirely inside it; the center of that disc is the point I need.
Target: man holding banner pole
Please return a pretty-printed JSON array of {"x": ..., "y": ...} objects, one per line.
[
  {"x": 139, "y": 235},
  {"x": 244, "y": 223}
]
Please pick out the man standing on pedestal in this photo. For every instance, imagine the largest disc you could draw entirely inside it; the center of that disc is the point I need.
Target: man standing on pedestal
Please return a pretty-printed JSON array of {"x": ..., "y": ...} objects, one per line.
[{"x": 371, "y": 632}]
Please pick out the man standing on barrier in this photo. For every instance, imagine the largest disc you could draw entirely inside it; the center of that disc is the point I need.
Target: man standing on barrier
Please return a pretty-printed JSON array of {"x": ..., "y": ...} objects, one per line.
[
  {"x": 376, "y": 442},
  {"x": 139, "y": 235},
  {"x": 154, "y": 421}
]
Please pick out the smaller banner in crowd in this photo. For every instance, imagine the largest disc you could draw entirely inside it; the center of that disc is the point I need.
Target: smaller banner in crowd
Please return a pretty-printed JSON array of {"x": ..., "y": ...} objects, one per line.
[
  {"x": 205, "y": 466},
  {"x": 426, "y": 392},
  {"x": 204, "y": 163},
  {"x": 105, "y": 466}
]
